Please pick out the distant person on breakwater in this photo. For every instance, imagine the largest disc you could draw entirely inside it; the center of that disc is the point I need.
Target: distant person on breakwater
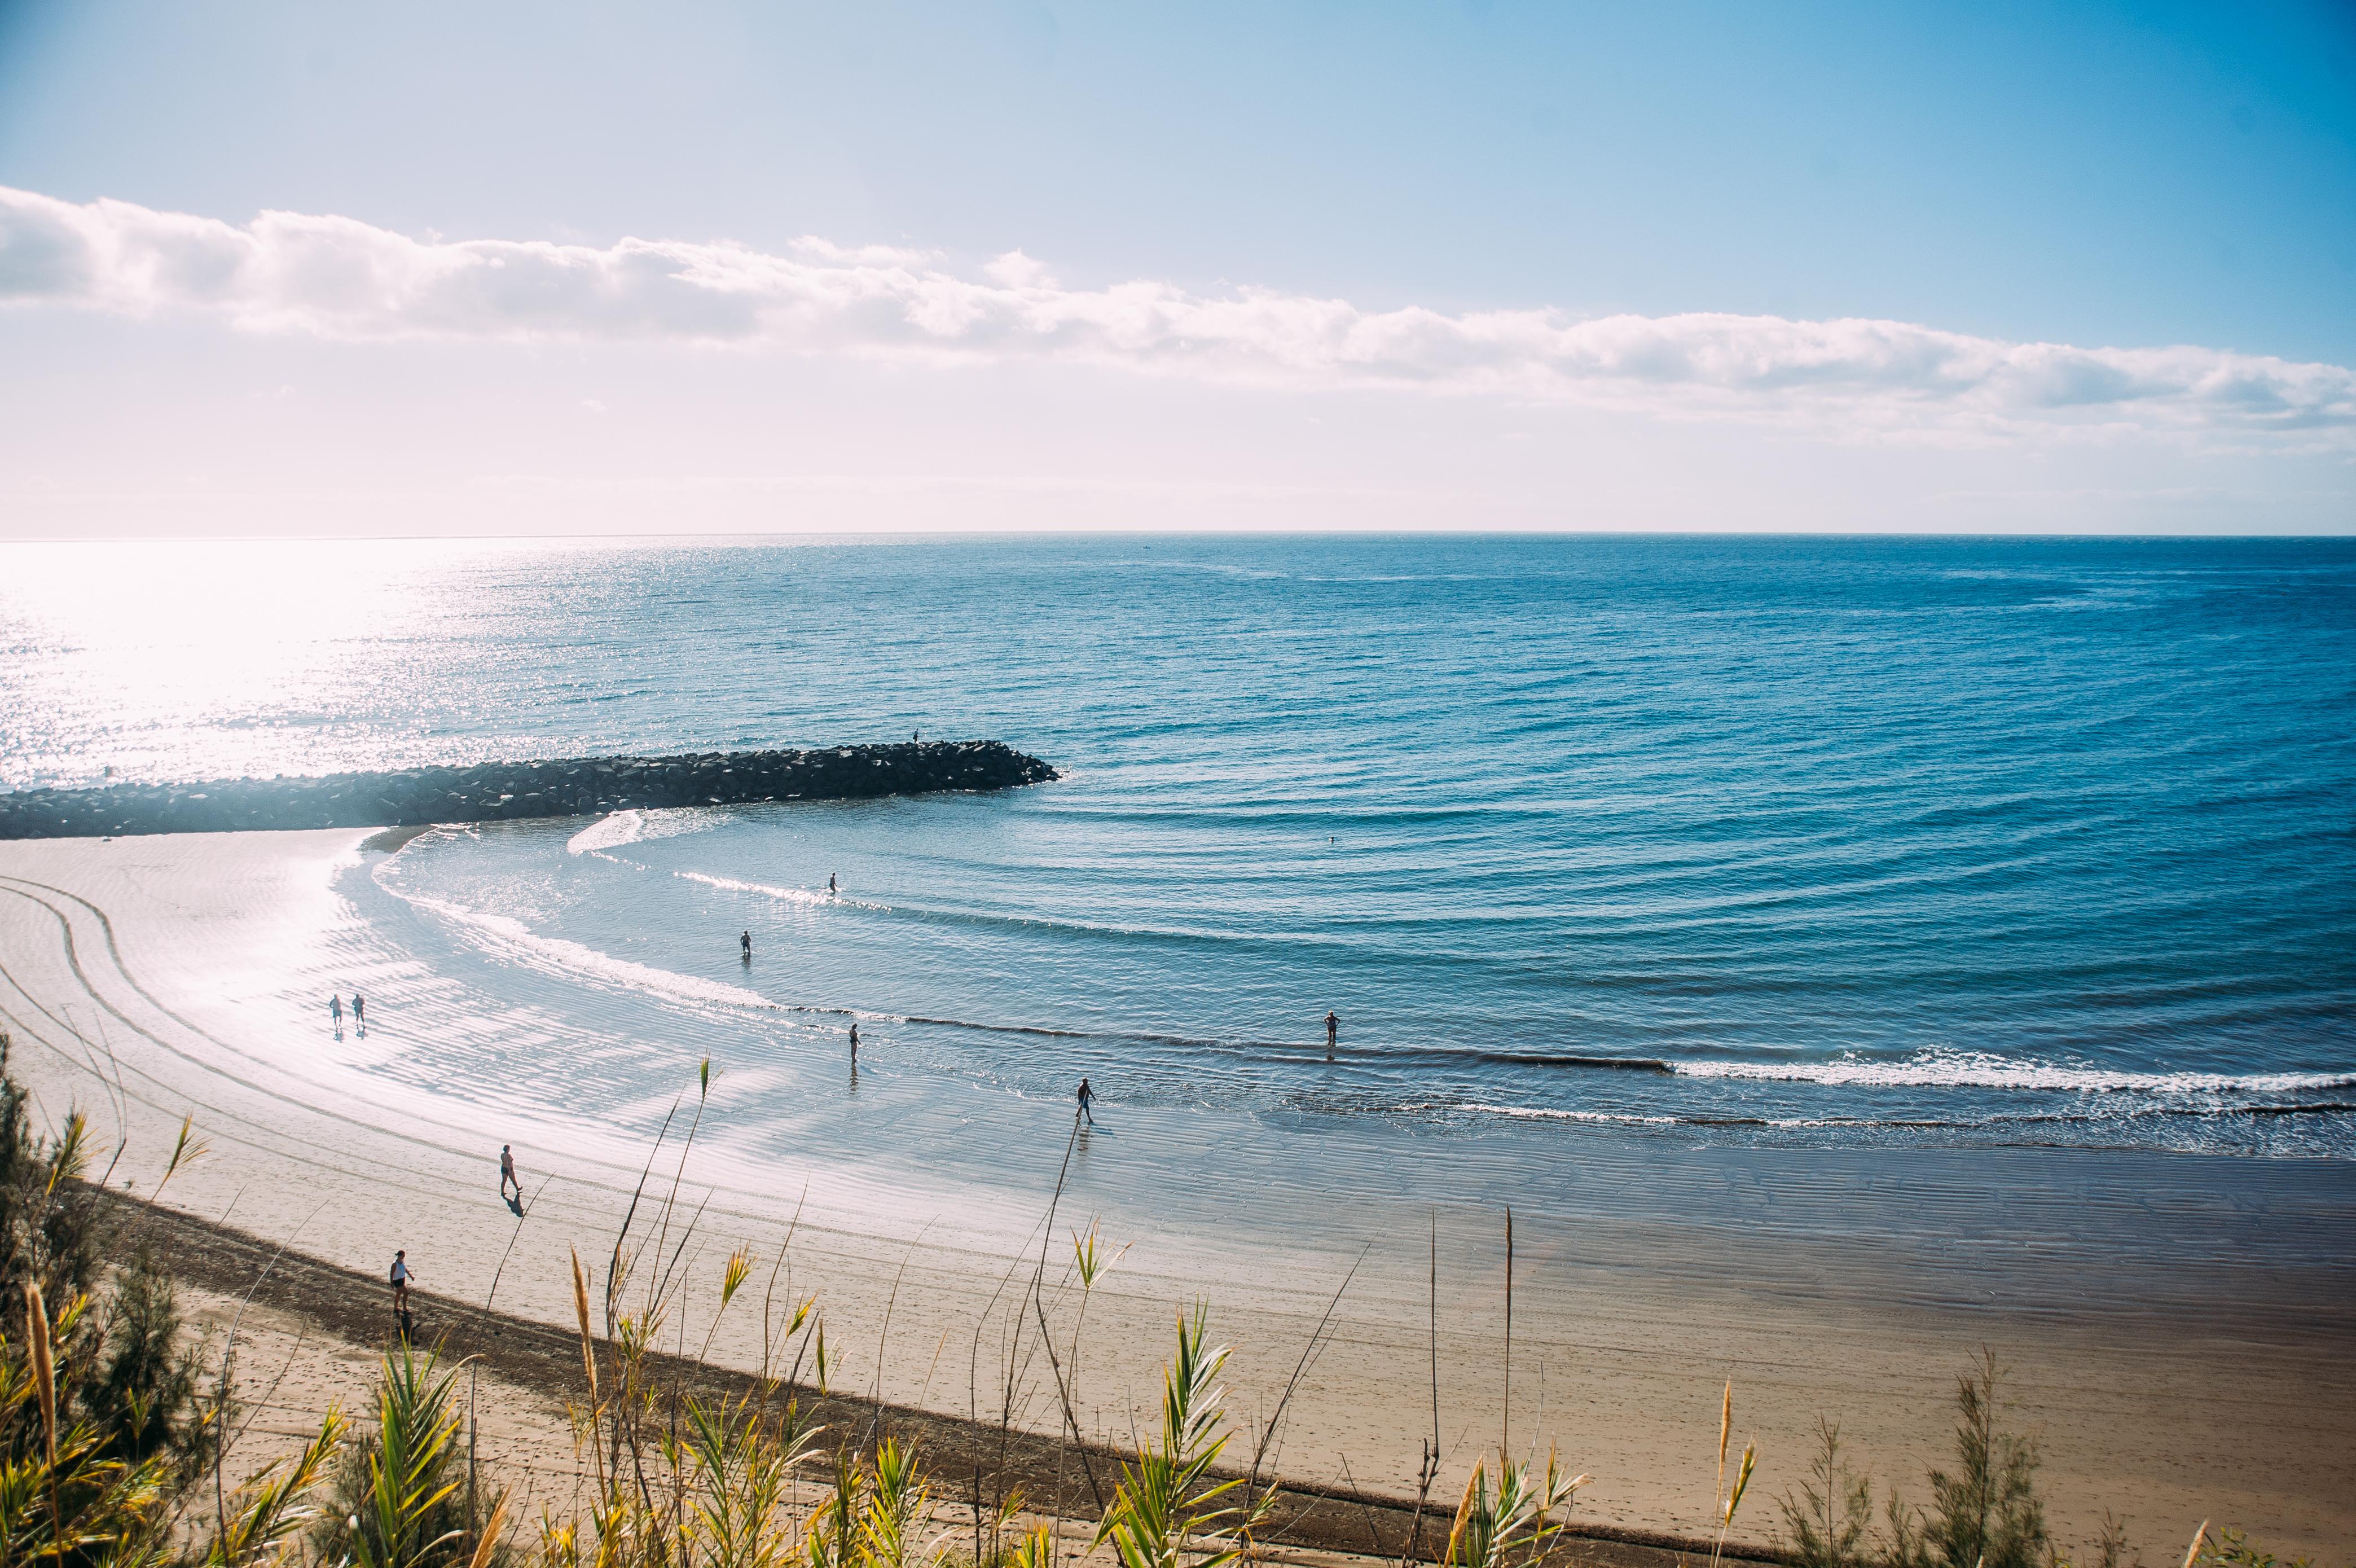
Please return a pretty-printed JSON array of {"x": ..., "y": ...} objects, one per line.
[
  {"x": 1087, "y": 1099},
  {"x": 335, "y": 1009},
  {"x": 1332, "y": 1033},
  {"x": 855, "y": 1044},
  {"x": 506, "y": 1171},
  {"x": 746, "y": 941}
]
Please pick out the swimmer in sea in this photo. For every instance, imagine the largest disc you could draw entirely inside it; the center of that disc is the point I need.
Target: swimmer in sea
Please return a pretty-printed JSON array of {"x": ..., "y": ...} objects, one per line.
[{"x": 746, "y": 940}]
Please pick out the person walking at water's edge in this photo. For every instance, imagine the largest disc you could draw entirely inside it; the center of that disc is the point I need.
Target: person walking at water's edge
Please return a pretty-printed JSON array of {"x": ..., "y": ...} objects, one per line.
[
  {"x": 1332, "y": 1033},
  {"x": 507, "y": 1171},
  {"x": 1087, "y": 1098},
  {"x": 336, "y": 1008},
  {"x": 359, "y": 1011}
]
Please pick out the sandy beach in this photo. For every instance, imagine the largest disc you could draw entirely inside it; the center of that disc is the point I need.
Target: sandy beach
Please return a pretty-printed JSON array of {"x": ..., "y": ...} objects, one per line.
[{"x": 2180, "y": 1346}]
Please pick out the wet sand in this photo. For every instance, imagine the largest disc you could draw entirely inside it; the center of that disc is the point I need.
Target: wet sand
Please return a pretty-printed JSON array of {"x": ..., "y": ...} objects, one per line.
[{"x": 2178, "y": 1328}]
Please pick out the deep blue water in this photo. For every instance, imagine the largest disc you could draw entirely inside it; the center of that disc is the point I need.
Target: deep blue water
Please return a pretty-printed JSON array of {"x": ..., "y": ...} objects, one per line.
[{"x": 1818, "y": 840}]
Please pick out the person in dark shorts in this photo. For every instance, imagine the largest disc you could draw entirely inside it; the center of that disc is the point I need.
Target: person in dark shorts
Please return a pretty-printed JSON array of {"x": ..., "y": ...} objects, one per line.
[
  {"x": 746, "y": 941},
  {"x": 400, "y": 1278},
  {"x": 359, "y": 1011},
  {"x": 1087, "y": 1099},
  {"x": 1332, "y": 1033},
  {"x": 335, "y": 1009},
  {"x": 506, "y": 1171}
]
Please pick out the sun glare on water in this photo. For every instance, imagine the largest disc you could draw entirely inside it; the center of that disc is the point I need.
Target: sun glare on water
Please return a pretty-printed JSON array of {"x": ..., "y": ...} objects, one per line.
[{"x": 156, "y": 658}]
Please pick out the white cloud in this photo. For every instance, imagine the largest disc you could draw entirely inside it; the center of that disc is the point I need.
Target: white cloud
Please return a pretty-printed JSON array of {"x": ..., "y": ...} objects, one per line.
[{"x": 338, "y": 278}]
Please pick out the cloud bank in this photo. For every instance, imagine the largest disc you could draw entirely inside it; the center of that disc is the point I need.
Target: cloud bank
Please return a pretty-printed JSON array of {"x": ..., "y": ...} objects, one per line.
[{"x": 340, "y": 279}]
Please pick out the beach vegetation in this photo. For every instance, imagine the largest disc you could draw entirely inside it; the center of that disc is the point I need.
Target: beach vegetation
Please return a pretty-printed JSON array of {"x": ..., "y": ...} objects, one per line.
[
  {"x": 1517, "y": 1523},
  {"x": 1167, "y": 1511},
  {"x": 107, "y": 1439},
  {"x": 51, "y": 1233},
  {"x": 1830, "y": 1520},
  {"x": 397, "y": 1494},
  {"x": 144, "y": 1391},
  {"x": 1986, "y": 1512},
  {"x": 70, "y": 1498},
  {"x": 2232, "y": 1548}
]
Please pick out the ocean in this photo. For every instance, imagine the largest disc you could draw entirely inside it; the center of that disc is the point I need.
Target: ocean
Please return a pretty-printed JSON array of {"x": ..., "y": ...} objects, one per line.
[{"x": 1702, "y": 842}]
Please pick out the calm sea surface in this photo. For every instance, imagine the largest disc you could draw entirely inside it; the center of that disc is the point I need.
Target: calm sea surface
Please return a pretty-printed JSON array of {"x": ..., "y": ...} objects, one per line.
[{"x": 1774, "y": 840}]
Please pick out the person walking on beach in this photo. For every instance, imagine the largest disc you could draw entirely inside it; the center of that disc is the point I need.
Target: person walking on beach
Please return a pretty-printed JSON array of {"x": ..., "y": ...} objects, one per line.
[
  {"x": 506, "y": 1171},
  {"x": 746, "y": 941},
  {"x": 401, "y": 1277},
  {"x": 1332, "y": 1033},
  {"x": 1087, "y": 1099},
  {"x": 359, "y": 1011},
  {"x": 336, "y": 1008}
]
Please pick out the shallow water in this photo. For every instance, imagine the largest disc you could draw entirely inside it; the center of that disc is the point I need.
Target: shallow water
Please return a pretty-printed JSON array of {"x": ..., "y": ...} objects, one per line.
[{"x": 1730, "y": 843}]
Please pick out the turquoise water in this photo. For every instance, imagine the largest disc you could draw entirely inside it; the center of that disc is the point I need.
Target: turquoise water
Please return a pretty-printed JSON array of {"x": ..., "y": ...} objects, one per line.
[{"x": 1827, "y": 841}]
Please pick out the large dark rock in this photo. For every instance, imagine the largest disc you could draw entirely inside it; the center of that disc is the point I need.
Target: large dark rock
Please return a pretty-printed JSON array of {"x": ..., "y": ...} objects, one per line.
[{"x": 499, "y": 791}]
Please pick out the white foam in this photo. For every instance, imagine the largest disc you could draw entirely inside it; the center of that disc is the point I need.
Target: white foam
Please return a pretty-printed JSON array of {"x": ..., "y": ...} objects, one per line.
[
  {"x": 1542, "y": 1113},
  {"x": 637, "y": 826},
  {"x": 574, "y": 958},
  {"x": 730, "y": 883},
  {"x": 608, "y": 833},
  {"x": 809, "y": 897},
  {"x": 1985, "y": 1070}
]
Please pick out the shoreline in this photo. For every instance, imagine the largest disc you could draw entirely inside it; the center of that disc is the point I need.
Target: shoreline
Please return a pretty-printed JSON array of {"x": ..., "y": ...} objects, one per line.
[{"x": 173, "y": 988}]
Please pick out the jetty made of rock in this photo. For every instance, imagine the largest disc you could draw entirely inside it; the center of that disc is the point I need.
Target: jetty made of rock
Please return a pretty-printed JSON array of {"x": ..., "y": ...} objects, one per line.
[{"x": 498, "y": 791}]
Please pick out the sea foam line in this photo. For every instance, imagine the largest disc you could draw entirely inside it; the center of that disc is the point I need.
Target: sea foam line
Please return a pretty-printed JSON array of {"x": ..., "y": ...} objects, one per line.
[
  {"x": 1985, "y": 1070},
  {"x": 803, "y": 895},
  {"x": 575, "y": 958}
]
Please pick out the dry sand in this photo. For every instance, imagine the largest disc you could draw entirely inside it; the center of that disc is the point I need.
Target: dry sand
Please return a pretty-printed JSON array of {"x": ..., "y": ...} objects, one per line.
[{"x": 142, "y": 977}]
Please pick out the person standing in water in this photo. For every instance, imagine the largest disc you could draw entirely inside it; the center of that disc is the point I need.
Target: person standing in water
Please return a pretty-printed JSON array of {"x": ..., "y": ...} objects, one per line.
[
  {"x": 1087, "y": 1098},
  {"x": 1332, "y": 1032},
  {"x": 335, "y": 1009},
  {"x": 506, "y": 1171},
  {"x": 830, "y": 885},
  {"x": 854, "y": 1045},
  {"x": 359, "y": 1011},
  {"x": 747, "y": 942}
]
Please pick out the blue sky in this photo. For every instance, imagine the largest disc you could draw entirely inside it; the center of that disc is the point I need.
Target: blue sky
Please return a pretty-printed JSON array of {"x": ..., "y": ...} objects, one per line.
[{"x": 2104, "y": 177}]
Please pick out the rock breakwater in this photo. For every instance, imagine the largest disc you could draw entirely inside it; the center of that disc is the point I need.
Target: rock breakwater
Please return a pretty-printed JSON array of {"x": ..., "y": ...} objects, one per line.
[{"x": 498, "y": 791}]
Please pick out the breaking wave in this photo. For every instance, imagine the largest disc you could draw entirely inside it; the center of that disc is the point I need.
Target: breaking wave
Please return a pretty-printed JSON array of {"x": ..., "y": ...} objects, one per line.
[{"x": 1985, "y": 1070}]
